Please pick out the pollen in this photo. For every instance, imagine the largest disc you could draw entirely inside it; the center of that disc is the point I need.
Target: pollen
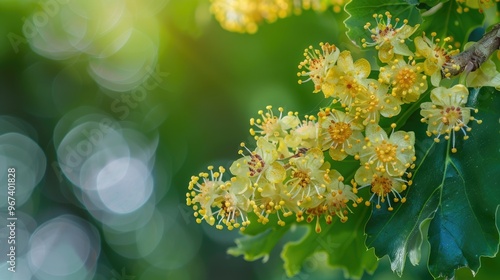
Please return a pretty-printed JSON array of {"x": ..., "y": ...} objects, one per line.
[
  {"x": 381, "y": 186},
  {"x": 339, "y": 131},
  {"x": 405, "y": 79},
  {"x": 302, "y": 178},
  {"x": 451, "y": 114},
  {"x": 386, "y": 152},
  {"x": 256, "y": 164}
]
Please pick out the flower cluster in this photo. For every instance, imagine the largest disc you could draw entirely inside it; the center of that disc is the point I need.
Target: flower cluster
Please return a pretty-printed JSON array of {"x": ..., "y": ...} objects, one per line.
[
  {"x": 288, "y": 173},
  {"x": 402, "y": 79},
  {"x": 244, "y": 16},
  {"x": 292, "y": 170}
]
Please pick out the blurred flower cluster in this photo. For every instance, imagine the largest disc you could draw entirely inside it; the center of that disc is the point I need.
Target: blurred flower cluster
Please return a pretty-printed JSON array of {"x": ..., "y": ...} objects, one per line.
[{"x": 244, "y": 16}]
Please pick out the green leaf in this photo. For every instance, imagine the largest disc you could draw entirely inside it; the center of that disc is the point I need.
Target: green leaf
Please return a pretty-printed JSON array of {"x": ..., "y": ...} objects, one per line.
[
  {"x": 412, "y": 2},
  {"x": 296, "y": 252},
  {"x": 446, "y": 21},
  {"x": 464, "y": 227},
  {"x": 432, "y": 3},
  {"x": 347, "y": 247},
  {"x": 254, "y": 247},
  {"x": 343, "y": 243},
  {"x": 360, "y": 12},
  {"x": 457, "y": 193}
]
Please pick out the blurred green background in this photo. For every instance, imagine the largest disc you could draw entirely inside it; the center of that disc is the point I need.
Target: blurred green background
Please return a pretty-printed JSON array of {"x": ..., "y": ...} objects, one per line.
[{"x": 125, "y": 100}]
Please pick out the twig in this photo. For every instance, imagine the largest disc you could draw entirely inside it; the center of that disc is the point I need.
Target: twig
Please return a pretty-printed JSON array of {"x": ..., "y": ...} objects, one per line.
[{"x": 470, "y": 59}]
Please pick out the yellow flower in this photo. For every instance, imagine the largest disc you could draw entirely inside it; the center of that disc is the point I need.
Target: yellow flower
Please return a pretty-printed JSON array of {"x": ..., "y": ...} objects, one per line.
[
  {"x": 202, "y": 196},
  {"x": 436, "y": 56},
  {"x": 337, "y": 196},
  {"x": 317, "y": 63},
  {"x": 244, "y": 16},
  {"x": 391, "y": 155},
  {"x": 271, "y": 198},
  {"x": 347, "y": 79},
  {"x": 254, "y": 165},
  {"x": 446, "y": 114},
  {"x": 339, "y": 133},
  {"x": 213, "y": 199},
  {"x": 389, "y": 39},
  {"x": 406, "y": 79},
  {"x": 308, "y": 179},
  {"x": 377, "y": 101},
  {"x": 381, "y": 185},
  {"x": 273, "y": 127},
  {"x": 235, "y": 204},
  {"x": 304, "y": 135}
]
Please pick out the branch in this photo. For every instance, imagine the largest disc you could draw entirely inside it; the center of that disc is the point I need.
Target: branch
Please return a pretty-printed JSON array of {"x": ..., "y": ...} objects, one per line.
[{"x": 470, "y": 59}]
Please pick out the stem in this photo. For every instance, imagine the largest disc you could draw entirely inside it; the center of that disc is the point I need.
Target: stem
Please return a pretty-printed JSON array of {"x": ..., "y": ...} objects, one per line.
[{"x": 470, "y": 59}]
